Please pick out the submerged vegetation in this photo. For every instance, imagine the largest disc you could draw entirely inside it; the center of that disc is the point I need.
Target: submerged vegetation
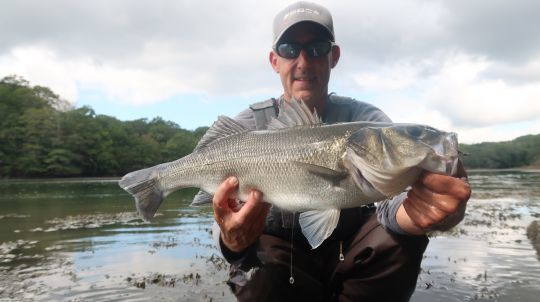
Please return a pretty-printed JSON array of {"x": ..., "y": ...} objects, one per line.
[{"x": 42, "y": 135}]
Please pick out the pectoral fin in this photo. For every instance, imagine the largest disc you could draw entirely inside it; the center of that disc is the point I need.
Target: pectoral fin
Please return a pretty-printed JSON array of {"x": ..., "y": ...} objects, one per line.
[
  {"x": 330, "y": 175},
  {"x": 318, "y": 225}
]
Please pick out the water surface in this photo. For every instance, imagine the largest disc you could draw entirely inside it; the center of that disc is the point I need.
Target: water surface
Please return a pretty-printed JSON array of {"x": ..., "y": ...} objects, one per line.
[
  {"x": 80, "y": 239},
  {"x": 488, "y": 256}
]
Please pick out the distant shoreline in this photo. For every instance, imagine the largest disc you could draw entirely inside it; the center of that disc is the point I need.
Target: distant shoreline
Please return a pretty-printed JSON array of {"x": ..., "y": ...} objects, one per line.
[
  {"x": 518, "y": 169},
  {"x": 531, "y": 169}
]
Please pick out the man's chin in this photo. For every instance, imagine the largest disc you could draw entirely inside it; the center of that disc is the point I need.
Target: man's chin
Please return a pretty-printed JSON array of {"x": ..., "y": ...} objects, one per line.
[{"x": 305, "y": 96}]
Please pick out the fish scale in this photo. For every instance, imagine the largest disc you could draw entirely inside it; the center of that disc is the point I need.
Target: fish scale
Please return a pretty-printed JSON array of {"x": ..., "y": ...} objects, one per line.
[
  {"x": 302, "y": 166},
  {"x": 265, "y": 169}
]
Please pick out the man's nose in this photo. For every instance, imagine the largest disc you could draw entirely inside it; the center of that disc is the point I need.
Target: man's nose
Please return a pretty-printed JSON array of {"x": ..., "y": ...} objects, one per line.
[{"x": 303, "y": 58}]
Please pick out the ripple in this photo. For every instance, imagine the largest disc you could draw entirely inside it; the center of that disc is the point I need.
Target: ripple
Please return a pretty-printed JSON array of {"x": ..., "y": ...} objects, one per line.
[{"x": 91, "y": 221}]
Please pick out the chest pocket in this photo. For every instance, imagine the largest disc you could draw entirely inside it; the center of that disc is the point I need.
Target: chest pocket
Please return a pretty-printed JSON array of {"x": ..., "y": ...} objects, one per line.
[{"x": 263, "y": 112}]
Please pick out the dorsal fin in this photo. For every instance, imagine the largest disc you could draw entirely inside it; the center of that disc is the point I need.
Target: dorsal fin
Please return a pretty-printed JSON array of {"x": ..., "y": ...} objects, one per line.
[
  {"x": 294, "y": 113},
  {"x": 223, "y": 127}
]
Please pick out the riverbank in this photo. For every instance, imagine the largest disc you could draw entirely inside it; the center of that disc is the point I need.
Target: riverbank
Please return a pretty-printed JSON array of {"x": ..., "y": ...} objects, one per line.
[{"x": 533, "y": 169}]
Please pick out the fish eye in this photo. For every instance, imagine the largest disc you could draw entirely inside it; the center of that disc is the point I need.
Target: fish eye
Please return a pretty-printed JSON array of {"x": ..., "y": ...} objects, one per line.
[{"x": 415, "y": 131}]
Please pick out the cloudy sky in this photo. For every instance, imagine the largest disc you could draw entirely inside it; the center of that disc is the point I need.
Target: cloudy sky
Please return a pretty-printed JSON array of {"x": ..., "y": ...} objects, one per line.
[{"x": 472, "y": 67}]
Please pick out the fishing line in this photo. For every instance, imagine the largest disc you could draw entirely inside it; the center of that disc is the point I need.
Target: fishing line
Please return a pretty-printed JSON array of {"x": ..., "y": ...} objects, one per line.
[
  {"x": 341, "y": 256},
  {"x": 291, "y": 279}
]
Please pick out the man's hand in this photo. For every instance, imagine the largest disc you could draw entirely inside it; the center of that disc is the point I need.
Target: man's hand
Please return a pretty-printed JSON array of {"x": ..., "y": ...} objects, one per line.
[
  {"x": 240, "y": 226},
  {"x": 434, "y": 201}
]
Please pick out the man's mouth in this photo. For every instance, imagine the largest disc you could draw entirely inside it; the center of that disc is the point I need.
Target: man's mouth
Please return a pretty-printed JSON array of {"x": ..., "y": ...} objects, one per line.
[{"x": 304, "y": 78}]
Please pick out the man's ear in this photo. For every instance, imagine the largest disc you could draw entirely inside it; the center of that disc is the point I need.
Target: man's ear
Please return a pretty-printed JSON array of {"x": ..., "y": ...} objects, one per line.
[
  {"x": 336, "y": 52},
  {"x": 272, "y": 57}
]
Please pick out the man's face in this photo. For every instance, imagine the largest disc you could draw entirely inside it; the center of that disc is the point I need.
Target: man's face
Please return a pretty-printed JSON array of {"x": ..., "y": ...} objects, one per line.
[{"x": 305, "y": 77}]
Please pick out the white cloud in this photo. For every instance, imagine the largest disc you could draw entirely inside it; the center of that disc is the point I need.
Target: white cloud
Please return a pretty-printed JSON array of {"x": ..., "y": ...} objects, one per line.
[
  {"x": 455, "y": 95},
  {"x": 450, "y": 64},
  {"x": 42, "y": 67},
  {"x": 150, "y": 79},
  {"x": 471, "y": 100},
  {"x": 496, "y": 29},
  {"x": 389, "y": 77},
  {"x": 137, "y": 52},
  {"x": 498, "y": 133},
  {"x": 515, "y": 74},
  {"x": 65, "y": 77}
]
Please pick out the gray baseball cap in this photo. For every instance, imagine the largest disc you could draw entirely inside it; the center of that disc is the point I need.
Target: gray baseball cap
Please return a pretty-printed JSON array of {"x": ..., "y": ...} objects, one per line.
[{"x": 301, "y": 12}]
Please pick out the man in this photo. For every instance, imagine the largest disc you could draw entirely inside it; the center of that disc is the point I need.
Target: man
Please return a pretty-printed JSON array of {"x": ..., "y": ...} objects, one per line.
[{"x": 372, "y": 254}]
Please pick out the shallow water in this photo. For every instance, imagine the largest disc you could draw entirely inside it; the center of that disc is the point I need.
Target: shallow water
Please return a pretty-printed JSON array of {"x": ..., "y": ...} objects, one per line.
[
  {"x": 80, "y": 239},
  {"x": 488, "y": 256}
]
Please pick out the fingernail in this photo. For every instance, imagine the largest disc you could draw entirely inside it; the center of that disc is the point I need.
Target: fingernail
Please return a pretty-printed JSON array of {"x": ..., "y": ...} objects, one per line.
[
  {"x": 233, "y": 181},
  {"x": 256, "y": 194}
]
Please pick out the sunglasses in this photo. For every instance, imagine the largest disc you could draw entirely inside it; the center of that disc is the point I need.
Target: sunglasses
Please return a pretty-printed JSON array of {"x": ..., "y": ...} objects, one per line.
[{"x": 313, "y": 49}]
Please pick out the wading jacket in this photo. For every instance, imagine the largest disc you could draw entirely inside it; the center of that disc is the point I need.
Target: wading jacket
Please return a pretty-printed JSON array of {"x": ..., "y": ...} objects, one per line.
[{"x": 338, "y": 109}]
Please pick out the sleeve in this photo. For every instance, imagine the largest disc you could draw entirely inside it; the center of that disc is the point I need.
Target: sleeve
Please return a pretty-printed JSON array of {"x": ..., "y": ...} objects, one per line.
[
  {"x": 230, "y": 256},
  {"x": 364, "y": 112},
  {"x": 386, "y": 213},
  {"x": 246, "y": 118}
]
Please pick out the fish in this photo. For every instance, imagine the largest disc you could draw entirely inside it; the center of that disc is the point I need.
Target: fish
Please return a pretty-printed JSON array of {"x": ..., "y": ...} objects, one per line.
[{"x": 302, "y": 165}]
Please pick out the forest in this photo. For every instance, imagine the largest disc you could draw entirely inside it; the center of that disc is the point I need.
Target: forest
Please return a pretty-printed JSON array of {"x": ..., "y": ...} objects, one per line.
[
  {"x": 42, "y": 135},
  {"x": 522, "y": 152}
]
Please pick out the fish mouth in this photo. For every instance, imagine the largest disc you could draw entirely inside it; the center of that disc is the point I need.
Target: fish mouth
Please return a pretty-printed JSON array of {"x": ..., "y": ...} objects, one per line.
[{"x": 446, "y": 152}]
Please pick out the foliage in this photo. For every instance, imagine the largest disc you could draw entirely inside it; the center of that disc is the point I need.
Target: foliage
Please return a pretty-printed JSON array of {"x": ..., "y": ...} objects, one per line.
[
  {"x": 521, "y": 152},
  {"x": 42, "y": 135}
]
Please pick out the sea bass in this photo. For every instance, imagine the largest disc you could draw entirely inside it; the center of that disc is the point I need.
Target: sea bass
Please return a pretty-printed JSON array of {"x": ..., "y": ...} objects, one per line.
[{"x": 302, "y": 166}]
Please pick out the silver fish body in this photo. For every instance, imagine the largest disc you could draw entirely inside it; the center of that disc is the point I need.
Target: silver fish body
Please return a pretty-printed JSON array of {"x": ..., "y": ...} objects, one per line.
[{"x": 302, "y": 166}]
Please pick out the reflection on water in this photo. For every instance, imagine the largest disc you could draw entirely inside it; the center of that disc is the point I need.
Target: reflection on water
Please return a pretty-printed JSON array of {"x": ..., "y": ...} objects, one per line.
[
  {"x": 80, "y": 239},
  {"x": 488, "y": 256}
]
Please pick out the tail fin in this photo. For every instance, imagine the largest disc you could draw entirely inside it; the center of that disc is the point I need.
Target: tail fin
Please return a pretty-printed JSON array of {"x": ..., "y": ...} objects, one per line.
[{"x": 143, "y": 185}]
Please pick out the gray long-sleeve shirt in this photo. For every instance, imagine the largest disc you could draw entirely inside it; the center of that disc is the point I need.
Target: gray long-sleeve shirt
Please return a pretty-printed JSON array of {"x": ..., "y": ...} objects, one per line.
[{"x": 342, "y": 109}]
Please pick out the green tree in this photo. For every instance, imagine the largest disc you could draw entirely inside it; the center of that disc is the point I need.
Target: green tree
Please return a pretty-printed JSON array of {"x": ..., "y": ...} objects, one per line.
[{"x": 180, "y": 145}]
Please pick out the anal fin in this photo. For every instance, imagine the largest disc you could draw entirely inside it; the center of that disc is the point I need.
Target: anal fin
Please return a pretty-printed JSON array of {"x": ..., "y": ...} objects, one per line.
[{"x": 202, "y": 198}]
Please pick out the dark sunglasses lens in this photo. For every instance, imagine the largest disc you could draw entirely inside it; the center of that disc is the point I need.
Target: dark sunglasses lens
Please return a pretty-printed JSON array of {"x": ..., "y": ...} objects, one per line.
[
  {"x": 288, "y": 51},
  {"x": 318, "y": 49},
  {"x": 315, "y": 49}
]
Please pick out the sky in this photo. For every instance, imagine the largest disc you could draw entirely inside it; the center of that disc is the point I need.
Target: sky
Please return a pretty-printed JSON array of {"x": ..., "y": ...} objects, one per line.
[{"x": 472, "y": 67}]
